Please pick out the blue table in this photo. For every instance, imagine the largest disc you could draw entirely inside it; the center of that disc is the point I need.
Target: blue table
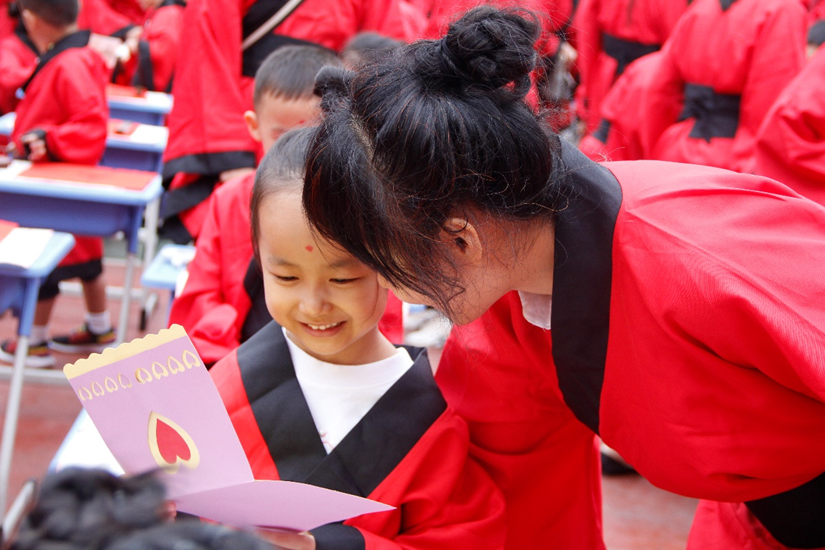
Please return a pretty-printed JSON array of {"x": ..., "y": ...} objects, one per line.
[
  {"x": 18, "y": 291},
  {"x": 141, "y": 150},
  {"x": 166, "y": 267},
  {"x": 84, "y": 209},
  {"x": 150, "y": 108}
]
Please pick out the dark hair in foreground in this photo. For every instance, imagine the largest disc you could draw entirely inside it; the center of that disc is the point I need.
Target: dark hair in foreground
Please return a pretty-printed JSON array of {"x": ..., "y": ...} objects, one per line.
[
  {"x": 60, "y": 13},
  {"x": 281, "y": 169},
  {"x": 91, "y": 509},
  {"x": 289, "y": 72},
  {"x": 437, "y": 129}
]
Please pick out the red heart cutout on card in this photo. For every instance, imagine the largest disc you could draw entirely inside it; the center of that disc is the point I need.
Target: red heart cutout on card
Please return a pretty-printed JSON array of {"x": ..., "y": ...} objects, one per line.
[{"x": 171, "y": 444}]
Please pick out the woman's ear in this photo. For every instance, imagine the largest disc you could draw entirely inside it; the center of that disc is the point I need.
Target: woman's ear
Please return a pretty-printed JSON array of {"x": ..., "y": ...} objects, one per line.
[{"x": 462, "y": 237}]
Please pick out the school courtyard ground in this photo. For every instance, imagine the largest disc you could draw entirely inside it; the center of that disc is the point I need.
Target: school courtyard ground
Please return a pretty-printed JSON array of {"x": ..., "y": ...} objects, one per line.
[{"x": 637, "y": 516}]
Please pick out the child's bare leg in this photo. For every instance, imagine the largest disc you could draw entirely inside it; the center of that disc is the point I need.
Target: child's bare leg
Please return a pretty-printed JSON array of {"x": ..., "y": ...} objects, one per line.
[
  {"x": 40, "y": 326},
  {"x": 43, "y": 311},
  {"x": 97, "y": 314},
  {"x": 94, "y": 294}
]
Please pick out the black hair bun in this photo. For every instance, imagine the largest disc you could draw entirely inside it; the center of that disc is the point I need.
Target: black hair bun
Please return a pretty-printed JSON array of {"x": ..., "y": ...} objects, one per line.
[
  {"x": 491, "y": 47},
  {"x": 332, "y": 84}
]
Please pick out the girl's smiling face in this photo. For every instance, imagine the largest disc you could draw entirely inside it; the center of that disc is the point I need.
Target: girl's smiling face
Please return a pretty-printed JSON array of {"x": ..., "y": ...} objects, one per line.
[{"x": 328, "y": 301}]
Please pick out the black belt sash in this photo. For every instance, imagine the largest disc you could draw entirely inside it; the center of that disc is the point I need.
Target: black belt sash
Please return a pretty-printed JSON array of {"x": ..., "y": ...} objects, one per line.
[
  {"x": 717, "y": 115},
  {"x": 795, "y": 518},
  {"x": 624, "y": 51}
]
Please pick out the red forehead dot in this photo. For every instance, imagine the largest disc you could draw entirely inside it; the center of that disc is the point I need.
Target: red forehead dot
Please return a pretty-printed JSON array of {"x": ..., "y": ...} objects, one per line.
[{"x": 309, "y": 248}]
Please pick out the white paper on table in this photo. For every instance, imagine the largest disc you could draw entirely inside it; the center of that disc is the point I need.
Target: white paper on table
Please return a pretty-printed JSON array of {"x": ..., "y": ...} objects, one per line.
[
  {"x": 149, "y": 134},
  {"x": 23, "y": 245}
]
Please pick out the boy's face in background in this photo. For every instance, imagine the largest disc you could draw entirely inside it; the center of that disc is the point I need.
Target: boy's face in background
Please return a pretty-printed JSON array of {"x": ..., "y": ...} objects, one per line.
[
  {"x": 274, "y": 115},
  {"x": 328, "y": 301}
]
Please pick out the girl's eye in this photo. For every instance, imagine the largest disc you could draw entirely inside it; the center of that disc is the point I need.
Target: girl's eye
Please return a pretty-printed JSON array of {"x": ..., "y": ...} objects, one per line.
[
  {"x": 285, "y": 279},
  {"x": 342, "y": 281}
]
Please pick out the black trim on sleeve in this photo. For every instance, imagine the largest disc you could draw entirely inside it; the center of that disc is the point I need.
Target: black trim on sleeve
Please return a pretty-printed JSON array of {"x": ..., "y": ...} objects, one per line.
[
  {"x": 208, "y": 164},
  {"x": 795, "y": 518},
  {"x": 589, "y": 202},
  {"x": 726, "y": 4},
  {"x": 337, "y": 536}
]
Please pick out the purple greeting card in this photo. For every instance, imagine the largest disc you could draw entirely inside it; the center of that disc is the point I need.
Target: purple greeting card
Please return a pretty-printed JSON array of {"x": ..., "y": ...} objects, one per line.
[{"x": 156, "y": 407}]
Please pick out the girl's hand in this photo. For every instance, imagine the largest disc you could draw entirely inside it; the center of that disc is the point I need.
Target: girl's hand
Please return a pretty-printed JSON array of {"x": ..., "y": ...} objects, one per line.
[{"x": 288, "y": 541}]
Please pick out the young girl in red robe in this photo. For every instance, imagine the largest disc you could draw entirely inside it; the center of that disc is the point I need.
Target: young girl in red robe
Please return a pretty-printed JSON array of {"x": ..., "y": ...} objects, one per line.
[{"x": 320, "y": 396}]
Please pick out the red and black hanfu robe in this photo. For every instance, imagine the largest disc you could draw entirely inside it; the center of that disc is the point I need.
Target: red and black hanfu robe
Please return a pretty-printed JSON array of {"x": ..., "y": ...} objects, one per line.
[
  {"x": 409, "y": 451},
  {"x": 688, "y": 331}
]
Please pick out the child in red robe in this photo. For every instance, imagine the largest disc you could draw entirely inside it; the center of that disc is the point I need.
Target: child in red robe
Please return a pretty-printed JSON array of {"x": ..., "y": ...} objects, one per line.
[
  {"x": 63, "y": 117},
  {"x": 153, "y": 63}
]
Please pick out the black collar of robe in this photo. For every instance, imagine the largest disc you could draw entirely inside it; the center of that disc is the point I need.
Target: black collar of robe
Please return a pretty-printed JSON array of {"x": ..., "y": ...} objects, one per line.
[
  {"x": 368, "y": 453},
  {"x": 79, "y": 39},
  {"x": 589, "y": 197}
]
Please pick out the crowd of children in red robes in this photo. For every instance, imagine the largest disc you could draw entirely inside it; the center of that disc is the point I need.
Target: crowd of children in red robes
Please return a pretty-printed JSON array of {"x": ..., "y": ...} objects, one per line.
[{"x": 733, "y": 84}]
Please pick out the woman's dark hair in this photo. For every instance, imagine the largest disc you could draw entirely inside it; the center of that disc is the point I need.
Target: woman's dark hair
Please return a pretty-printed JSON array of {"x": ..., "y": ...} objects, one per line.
[
  {"x": 282, "y": 168},
  {"x": 88, "y": 508},
  {"x": 433, "y": 131}
]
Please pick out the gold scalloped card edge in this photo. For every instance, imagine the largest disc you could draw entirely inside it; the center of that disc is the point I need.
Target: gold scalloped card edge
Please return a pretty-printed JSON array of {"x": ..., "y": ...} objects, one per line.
[{"x": 127, "y": 349}]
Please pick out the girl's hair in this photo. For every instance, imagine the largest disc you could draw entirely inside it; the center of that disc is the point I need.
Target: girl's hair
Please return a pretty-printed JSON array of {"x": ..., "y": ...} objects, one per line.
[
  {"x": 281, "y": 169},
  {"x": 430, "y": 132}
]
